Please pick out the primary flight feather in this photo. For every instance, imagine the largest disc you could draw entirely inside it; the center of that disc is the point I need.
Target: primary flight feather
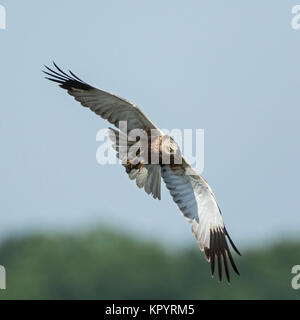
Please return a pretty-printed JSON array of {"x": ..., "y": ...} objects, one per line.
[{"x": 189, "y": 190}]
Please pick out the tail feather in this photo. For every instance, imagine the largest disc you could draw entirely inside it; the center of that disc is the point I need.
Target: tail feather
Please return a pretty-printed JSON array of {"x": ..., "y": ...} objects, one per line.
[{"x": 147, "y": 176}]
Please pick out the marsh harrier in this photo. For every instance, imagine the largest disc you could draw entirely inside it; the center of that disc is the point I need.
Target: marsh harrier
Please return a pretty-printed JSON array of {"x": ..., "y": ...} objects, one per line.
[{"x": 189, "y": 190}]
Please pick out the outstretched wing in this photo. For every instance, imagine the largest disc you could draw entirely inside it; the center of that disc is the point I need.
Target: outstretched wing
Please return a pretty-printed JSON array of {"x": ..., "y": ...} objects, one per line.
[
  {"x": 107, "y": 105},
  {"x": 197, "y": 203},
  {"x": 115, "y": 110}
]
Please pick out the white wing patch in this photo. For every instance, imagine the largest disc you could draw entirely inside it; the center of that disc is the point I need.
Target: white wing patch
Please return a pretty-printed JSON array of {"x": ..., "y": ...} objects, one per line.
[
  {"x": 192, "y": 194},
  {"x": 196, "y": 202},
  {"x": 198, "y": 205}
]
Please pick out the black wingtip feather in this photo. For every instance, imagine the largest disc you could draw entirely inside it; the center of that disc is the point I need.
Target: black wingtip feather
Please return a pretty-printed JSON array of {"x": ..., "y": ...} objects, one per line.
[
  {"x": 231, "y": 259},
  {"x": 212, "y": 253},
  {"x": 75, "y": 76},
  {"x": 68, "y": 82},
  {"x": 219, "y": 251},
  {"x": 54, "y": 80},
  {"x": 231, "y": 242},
  {"x": 226, "y": 268}
]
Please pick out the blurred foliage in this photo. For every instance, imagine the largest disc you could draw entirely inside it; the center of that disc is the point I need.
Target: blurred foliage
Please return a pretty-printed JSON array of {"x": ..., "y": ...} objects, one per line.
[{"x": 105, "y": 265}]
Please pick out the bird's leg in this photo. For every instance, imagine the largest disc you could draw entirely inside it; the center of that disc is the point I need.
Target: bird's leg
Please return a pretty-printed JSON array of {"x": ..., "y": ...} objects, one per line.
[{"x": 136, "y": 163}]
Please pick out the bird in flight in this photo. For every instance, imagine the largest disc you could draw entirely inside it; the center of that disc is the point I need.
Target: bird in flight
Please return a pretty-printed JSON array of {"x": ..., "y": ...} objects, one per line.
[{"x": 157, "y": 156}]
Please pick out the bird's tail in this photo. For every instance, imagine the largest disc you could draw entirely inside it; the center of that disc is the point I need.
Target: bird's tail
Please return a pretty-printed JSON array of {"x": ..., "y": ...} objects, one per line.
[{"x": 147, "y": 176}]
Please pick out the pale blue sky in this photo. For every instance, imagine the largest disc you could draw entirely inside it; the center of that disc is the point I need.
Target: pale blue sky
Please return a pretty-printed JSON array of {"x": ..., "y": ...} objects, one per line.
[{"x": 231, "y": 68}]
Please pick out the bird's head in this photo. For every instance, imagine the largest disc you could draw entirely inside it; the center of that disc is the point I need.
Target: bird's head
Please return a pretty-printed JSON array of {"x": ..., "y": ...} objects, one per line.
[{"x": 169, "y": 150}]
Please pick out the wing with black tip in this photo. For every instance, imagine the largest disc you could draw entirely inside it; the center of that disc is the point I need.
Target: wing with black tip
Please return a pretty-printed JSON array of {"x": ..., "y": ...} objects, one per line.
[
  {"x": 198, "y": 205},
  {"x": 107, "y": 105}
]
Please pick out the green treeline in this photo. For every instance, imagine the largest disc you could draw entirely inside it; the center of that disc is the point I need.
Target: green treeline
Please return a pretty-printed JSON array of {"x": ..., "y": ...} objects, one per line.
[{"x": 103, "y": 264}]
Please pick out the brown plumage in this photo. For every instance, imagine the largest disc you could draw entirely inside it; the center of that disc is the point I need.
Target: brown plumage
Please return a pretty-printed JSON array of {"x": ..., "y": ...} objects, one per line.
[{"x": 189, "y": 190}]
